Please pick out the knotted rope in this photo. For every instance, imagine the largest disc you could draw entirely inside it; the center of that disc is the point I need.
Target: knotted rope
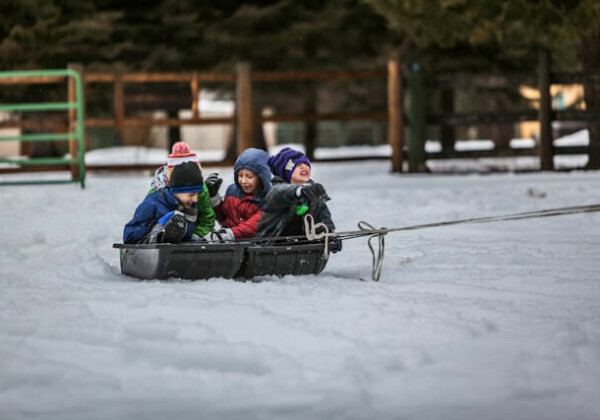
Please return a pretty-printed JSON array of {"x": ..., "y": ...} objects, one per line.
[
  {"x": 310, "y": 228},
  {"x": 377, "y": 260}
]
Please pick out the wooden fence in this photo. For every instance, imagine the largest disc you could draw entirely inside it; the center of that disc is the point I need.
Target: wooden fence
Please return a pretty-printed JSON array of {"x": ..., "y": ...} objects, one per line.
[
  {"x": 407, "y": 113},
  {"x": 447, "y": 119}
]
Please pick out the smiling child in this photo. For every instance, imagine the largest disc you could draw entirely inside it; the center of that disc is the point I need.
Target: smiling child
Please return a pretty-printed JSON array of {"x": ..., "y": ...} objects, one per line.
[
  {"x": 169, "y": 214},
  {"x": 294, "y": 194},
  {"x": 240, "y": 210}
]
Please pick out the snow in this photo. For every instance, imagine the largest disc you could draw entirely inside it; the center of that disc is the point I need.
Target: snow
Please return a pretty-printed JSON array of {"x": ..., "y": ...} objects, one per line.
[
  {"x": 488, "y": 321},
  {"x": 143, "y": 155}
]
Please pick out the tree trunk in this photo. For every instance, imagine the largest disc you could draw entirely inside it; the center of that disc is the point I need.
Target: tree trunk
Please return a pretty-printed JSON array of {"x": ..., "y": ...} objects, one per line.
[{"x": 590, "y": 54}]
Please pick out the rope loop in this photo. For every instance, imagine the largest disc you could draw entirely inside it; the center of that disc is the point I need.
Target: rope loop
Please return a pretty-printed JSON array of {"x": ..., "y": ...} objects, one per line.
[
  {"x": 377, "y": 260},
  {"x": 310, "y": 228}
]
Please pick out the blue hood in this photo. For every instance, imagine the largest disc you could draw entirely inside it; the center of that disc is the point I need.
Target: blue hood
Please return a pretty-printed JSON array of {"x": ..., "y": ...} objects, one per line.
[{"x": 254, "y": 160}]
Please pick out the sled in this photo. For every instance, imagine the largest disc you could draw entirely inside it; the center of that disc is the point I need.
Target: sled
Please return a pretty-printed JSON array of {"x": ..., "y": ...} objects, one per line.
[
  {"x": 197, "y": 261},
  {"x": 281, "y": 260}
]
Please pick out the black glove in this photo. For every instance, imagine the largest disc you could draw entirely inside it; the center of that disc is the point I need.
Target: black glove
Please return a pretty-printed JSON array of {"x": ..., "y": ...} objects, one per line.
[
  {"x": 314, "y": 192},
  {"x": 213, "y": 183}
]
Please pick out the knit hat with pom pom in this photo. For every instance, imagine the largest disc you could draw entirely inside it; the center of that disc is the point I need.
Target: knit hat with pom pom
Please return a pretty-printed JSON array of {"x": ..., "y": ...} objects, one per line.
[
  {"x": 283, "y": 163},
  {"x": 180, "y": 153}
]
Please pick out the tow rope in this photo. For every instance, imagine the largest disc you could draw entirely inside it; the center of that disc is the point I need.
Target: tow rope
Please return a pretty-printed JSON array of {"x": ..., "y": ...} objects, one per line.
[{"x": 366, "y": 229}]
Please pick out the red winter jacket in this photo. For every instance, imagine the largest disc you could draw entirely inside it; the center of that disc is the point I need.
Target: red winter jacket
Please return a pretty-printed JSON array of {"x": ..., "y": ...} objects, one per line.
[{"x": 241, "y": 214}]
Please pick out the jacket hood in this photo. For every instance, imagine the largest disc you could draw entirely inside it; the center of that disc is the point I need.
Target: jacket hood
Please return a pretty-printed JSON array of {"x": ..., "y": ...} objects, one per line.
[{"x": 255, "y": 160}]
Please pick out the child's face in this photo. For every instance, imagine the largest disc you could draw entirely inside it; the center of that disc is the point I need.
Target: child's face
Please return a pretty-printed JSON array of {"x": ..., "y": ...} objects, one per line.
[
  {"x": 301, "y": 174},
  {"x": 187, "y": 200},
  {"x": 248, "y": 181}
]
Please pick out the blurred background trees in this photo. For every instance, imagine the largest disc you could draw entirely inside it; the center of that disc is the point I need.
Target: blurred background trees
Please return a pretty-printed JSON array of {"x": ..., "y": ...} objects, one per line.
[
  {"x": 171, "y": 35},
  {"x": 472, "y": 35},
  {"x": 180, "y": 35}
]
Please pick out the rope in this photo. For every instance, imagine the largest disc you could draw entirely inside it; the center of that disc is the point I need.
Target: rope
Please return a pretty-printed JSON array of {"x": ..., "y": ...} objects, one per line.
[
  {"x": 366, "y": 229},
  {"x": 516, "y": 216},
  {"x": 310, "y": 228},
  {"x": 377, "y": 261}
]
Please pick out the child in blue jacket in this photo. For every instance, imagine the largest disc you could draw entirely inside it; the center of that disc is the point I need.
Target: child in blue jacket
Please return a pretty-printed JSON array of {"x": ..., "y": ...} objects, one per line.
[
  {"x": 181, "y": 153},
  {"x": 169, "y": 214}
]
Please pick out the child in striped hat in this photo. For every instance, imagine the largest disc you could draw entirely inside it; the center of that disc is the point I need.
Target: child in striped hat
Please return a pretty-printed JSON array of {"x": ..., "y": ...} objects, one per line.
[
  {"x": 180, "y": 154},
  {"x": 169, "y": 214}
]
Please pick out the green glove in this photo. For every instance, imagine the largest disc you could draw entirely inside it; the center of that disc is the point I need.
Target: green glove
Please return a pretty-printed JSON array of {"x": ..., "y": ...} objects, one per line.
[{"x": 301, "y": 209}]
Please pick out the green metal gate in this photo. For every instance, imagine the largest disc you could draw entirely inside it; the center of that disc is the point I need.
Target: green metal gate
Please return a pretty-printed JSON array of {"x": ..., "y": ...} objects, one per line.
[{"x": 76, "y": 133}]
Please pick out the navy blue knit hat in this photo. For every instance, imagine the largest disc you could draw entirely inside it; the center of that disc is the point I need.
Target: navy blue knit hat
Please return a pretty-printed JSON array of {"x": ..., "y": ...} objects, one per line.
[
  {"x": 186, "y": 178},
  {"x": 283, "y": 163}
]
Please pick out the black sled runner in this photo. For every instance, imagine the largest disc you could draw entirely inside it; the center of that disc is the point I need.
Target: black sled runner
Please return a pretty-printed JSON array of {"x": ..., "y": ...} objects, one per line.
[{"x": 245, "y": 260}]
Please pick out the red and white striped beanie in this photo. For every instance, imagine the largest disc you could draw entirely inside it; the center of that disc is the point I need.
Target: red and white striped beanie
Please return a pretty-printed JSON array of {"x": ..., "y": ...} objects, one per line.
[{"x": 180, "y": 153}]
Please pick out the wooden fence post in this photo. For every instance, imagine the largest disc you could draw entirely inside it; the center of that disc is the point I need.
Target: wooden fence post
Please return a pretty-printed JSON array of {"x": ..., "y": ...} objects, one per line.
[
  {"x": 119, "y": 105},
  {"x": 395, "y": 114},
  {"x": 416, "y": 114},
  {"x": 546, "y": 147},
  {"x": 245, "y": 123},
  {"x": 72, "y": 97},
  {"x": 195, "y": 90},
  {"x": 447, "y": 131}
]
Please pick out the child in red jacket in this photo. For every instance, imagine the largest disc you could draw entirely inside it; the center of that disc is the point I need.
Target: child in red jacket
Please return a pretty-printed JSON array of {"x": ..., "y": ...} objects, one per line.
[{"x": 241, "y": 209}]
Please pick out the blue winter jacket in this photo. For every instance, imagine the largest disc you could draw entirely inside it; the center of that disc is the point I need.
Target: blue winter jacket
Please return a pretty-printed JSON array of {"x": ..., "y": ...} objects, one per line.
[{"x": 148, "y": 212}]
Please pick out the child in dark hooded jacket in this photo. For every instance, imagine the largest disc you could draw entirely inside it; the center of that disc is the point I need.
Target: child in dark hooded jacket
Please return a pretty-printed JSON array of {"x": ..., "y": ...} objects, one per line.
[
  {"x": 293, "y": 196},
  {"x": 240, "y": 210}
]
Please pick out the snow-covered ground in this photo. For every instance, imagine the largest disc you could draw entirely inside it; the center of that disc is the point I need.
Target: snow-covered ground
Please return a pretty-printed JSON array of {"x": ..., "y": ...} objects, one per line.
[
  {"x": 140, "y": 155},
  {"x": 488, "y": 321}
]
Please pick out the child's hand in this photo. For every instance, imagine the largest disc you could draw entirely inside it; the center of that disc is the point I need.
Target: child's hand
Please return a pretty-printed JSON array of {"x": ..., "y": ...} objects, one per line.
[
  {"x": 314, "y": 192},
  {"x": 222, "y": 234},
  {"x": 226, "y": 234},
  {"x": 213, "y": 183}
]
